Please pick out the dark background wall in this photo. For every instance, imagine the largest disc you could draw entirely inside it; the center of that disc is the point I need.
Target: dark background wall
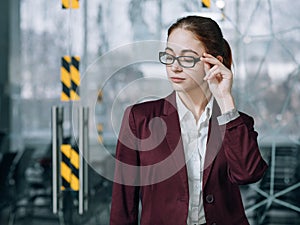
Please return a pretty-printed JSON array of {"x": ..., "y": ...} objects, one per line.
[{"x": 9, "y": 66}]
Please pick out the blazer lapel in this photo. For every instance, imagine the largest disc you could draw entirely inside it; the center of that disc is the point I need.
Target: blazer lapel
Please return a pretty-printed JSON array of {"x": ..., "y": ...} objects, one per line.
[
  {"x": 214, "y": 142},
  {"x": 173, "y": 136}
]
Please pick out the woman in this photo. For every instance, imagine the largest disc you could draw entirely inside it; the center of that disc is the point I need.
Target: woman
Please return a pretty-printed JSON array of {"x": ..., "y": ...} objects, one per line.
[{"x": 184, "y": 155}]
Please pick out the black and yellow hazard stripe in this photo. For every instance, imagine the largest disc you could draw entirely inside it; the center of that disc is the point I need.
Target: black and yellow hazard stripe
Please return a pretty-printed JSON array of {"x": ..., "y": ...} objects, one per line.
[
  {"x": 67, "y": 4},
  {"x": 75, "y": 78},
  {"x": 65, "y": 78},
  {"x": 69, "y": 168},
  {"x": 70, "y": 78},
  {"x": 64, "y": 166},
  {"x": 206, "y": 3}
]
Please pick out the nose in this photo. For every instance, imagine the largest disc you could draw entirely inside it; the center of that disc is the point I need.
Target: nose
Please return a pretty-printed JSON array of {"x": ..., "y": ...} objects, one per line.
[{"x": 176, "y": 67}]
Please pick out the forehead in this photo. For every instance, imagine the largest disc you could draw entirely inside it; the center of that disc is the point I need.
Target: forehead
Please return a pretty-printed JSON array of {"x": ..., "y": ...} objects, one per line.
[{"x": 181, "y": 39}]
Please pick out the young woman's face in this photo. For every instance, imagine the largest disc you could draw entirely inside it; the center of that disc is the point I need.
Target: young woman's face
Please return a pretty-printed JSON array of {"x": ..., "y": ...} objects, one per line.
[{"x": 183, "y": 43}]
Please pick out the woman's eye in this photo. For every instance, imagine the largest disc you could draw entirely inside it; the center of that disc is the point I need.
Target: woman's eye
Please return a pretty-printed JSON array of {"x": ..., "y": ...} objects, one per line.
[
  {"x": 187, "y": 59},
  {"x": 169, "y": 58}
]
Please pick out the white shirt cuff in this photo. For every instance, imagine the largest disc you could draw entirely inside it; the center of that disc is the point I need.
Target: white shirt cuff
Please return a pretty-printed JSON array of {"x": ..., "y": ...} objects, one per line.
[{"x": 228, "y": 116}]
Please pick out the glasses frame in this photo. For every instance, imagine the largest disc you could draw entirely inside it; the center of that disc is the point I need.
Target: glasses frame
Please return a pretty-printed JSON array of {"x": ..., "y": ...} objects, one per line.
[{"x": 161, "y": 54}]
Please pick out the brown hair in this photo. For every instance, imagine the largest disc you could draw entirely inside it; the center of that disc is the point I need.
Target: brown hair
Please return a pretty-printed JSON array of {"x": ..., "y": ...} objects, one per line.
[{"x": 209, "y": 33}]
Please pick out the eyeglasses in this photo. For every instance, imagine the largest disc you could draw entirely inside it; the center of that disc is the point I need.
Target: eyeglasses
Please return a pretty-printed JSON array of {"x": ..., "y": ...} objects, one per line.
[{"x": 184, "y": 61}]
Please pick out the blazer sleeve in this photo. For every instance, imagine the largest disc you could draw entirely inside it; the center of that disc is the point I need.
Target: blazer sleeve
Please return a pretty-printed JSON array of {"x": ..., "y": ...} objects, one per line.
[
  {"x": 125, "y": 192},
  {"x": 245, "y": 163}
]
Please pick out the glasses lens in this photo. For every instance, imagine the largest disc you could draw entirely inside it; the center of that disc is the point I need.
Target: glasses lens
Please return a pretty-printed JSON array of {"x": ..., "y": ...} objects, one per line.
[
  {"x": 166, "y": 58},
  {"x": 186, "y": 61}
]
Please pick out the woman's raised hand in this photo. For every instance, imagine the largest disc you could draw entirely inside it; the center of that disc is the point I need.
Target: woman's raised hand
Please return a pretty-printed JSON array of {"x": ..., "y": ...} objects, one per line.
[{"x": 219, "y": 79}]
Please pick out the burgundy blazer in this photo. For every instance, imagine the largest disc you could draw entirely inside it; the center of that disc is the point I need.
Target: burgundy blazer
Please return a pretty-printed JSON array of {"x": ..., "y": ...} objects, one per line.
[{"x": 150, "y": 167}]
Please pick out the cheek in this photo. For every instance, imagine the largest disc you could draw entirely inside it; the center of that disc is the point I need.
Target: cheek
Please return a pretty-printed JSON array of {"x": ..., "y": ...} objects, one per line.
[
  {"x": 195, "y": 77},
  {"x": 196, "y": 73},
  {"x": 200, "y": 67},
  {"x": 168, "y": 70},
  {"x": 199, "y": 70}
]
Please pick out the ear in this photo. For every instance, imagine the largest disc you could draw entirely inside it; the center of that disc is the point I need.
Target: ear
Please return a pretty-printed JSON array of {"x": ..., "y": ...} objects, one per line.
[{"x": 220, "y": 58}]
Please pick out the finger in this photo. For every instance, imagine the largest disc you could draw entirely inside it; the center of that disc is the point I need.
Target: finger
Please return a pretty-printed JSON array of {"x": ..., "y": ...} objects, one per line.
[
  {"x": 219, "y": 72},
  {"x": 205, "y": 54},
  {"x": 213, "y": 61},
  {"x": 214, "y": 75},
  {"x": 208, "y": 58},
  {"x": 210, "y": 76},
  {"x": 211, "y": 71}
]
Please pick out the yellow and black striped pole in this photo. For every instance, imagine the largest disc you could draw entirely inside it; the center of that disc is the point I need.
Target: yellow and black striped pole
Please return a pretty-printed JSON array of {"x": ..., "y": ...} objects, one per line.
[
  {"x": 70, "y": 78},
  {"x": 206, "y": 3},
  {"x": 70, "y": 4},
  {"x": 65, "y": 78},
  {"x": 69, "y": 168},
  {"x": 68, "y": 164}
]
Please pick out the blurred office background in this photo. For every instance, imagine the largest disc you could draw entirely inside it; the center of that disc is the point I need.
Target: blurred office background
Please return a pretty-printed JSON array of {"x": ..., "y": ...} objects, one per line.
[{"x": 117, "y": 42}]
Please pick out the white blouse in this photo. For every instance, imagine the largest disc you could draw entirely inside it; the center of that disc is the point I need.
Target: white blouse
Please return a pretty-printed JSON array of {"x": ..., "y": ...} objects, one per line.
[{"x": 194, "y": 137}]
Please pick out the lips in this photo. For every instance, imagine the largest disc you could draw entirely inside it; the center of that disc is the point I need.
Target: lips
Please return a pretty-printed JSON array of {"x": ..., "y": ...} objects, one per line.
[{"x": 177, "y": 79}]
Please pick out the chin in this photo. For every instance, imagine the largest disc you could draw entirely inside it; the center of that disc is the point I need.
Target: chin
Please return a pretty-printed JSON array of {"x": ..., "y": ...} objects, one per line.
[
  {"x": 178, "y": 87},
  {"x": 181, "y": 89},
  {"x": 187, "y": 89}
]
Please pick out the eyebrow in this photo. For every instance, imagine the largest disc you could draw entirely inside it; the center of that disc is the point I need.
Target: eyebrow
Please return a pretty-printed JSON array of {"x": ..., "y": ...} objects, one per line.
[{"x": 183, "y": 51}]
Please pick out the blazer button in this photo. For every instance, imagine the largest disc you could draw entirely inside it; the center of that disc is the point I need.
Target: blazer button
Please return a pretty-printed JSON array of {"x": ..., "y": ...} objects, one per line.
[{"x": 209, "y": 199}]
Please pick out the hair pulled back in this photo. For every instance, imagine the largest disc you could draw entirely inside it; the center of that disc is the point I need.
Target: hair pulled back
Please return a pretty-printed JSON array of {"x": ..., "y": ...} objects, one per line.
[{"x": 209, "y": 33}]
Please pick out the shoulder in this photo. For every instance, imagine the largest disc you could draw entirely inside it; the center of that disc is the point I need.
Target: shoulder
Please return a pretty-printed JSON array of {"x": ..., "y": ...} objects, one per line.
[
  {"x": 148, "y": 108},
  {"x": 154, "y": 108}
]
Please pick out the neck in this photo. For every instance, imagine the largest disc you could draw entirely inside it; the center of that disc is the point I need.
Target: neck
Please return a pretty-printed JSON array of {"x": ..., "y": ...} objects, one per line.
[{"x": 195, "y": 100}]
